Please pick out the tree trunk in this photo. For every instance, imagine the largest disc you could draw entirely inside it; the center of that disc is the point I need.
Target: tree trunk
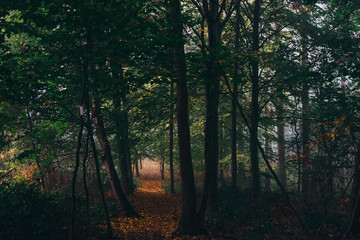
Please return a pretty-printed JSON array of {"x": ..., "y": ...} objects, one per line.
[
  {"x": 354, "y": 215},
  {"x": 171, "y": 147},
  {"x": 268, "y": 152},
  {"x": 125, "y": 174},
  {"x": 221, "y": 156},
  {"x": 162, "y": 168},
  {"x": 209, "y": 200},
  {"x": 233, "y": 140},
  {"x": 281, "y": 145},
  {"x": 128, "y": 159},
  {"x": 137, "y": 169},
  {"x": 99, "y": 182},
  {"x": 189, "y": 222},
  {"x": 305, "y": 177},
  {"x": 255, "y": 103},
  {"x": 73, "y": 182},
  {"x": 109, "y": 164},
  {"x": 233, "y": 106},
  {"x": 37, "y": 161},
  {"x": 84, "y": 102},
  {"x": 121, "y": 120},
  {"x": 305, "y": 188},
  {"x": 86, "y": 189}
]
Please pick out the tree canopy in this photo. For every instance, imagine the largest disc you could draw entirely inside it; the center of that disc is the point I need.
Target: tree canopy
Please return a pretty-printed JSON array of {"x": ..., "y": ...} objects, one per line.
[{"x": 254, "y": 98}]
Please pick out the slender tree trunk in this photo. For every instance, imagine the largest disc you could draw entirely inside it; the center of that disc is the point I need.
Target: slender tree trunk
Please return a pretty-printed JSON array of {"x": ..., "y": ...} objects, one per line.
[
  {"x": 189, "y": 221},
  {"x": 124, "y": 167},
  {"x": 171, "y": 133},
  {"x": 233, "y": 141},
  {"x": 305, "y": 188},
  {"x": 255, "y": 102},
  {"x": 86, "y": 189},
  {"x": 209, "y": 200},
  {"x": 221, "y": 156},
  {"x": 127, "y": 152},
  {"x": 305, "y": 158},
  {"x": 268, "y": 152},
  {"x": 121, "y": 121},
  {"x": 354, "y": 215},
  {"x": 137, "y": 169},
  {"x": 129, "y": 165},
  {"x": 84, "y": 99},
  {"x": 233, "y": 106},
  {"x": 41, "y": 174},
  {"x": 110, "y": 168},
  {"x": 124, "y": 152},
  {"x": 162, "y": 168},
  {"x": 281, "y": 144},
  {"x": 73, "y": 182},
  {"x": 240, "y": 165},
  {"x": 299, "y": 163},
  {"x": 99, "y": 182}
]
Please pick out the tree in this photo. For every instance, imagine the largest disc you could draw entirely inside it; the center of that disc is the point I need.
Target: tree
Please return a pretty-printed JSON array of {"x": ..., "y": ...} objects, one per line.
[
  {"x": 124, "y": 204},
  {"x": 281, "y": 143},
  {"x": 189, "y": 221},
  {"x": 171, "y": 135},
  {"x": 255, "y": 110},
  {"x": 233, "y": 106},
  {"x": 211, "y": 11}
]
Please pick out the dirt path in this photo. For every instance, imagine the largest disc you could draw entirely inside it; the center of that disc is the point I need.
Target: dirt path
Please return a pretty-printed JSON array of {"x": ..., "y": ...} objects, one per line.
[{"x": 160, "y": 211}]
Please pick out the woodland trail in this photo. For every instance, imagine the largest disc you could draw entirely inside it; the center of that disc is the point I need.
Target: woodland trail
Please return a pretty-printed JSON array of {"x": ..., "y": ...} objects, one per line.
[{"x": 159, "y": 211}]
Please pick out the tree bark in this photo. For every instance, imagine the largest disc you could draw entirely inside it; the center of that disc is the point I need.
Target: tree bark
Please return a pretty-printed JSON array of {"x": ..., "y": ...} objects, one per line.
[
  {"x": 162, "y": 168},
  {"x": 221, "y": 156},
  {"x": 84, "y": 100},
  {"x": 86, "y": 189},
  {"x": 122, "y": 126},
  {"x": 305, "y": 187},
  {"x": 255, "y": 101},
  {"x": 267, "y": 184},
  {"x": 137, "y": 173},
  {"x": 281, "y": 145},
  {"x": 97, "y": 168},
  {"x": 37, "y": 161},
  {"x": 99, "y": 182},
  {"x": 268, "y": 152},
  {"x": 171, "y": 133},
  {"x": 124, "y": 204},
  {"x": 233, "y": 107},
  {"x": 73, "y": 182},
  {"x": 189, "y": 222},
  {"x": 233, "y": 141},
  {"x": 209, "y": 200},
  {"x": 126, "y": 182},
  {"x": 354, "y": 215},
  {"x": 305, "y": 158},
  {"x": 121, "y": 121}
]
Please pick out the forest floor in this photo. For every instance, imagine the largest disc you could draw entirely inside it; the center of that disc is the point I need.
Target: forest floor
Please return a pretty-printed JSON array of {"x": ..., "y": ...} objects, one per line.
[
  {"x": 240, "y": 217},
  {"x": 28, "y": 213},
  {"x": 159, "y": 211}
]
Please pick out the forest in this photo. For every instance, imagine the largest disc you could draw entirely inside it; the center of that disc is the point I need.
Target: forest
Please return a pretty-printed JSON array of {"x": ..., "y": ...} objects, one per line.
[{"x": 180, "y": 119}]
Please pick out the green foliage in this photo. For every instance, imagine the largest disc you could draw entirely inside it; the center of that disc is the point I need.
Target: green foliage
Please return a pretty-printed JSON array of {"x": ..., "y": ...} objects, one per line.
[
  {"x": 26, "y": 213},
  {"x": 47, "y": 49}
]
